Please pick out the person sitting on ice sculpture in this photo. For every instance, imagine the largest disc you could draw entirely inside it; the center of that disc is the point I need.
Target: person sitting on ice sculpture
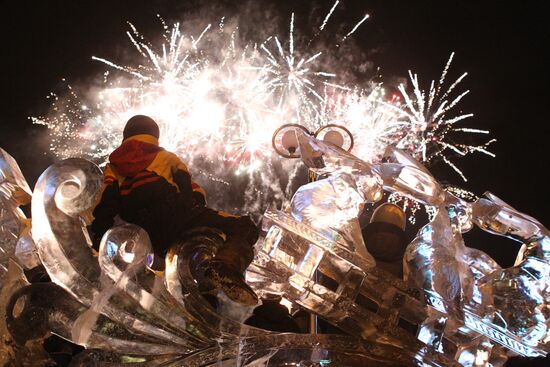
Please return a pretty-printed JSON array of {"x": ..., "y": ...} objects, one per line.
[
  {"x": 151, "y": 187},
  {"x": 385, "y": 238}
]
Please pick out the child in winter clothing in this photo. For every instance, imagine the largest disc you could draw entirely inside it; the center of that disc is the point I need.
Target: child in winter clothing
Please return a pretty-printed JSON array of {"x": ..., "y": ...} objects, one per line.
[{"x": 152, "y": 188}]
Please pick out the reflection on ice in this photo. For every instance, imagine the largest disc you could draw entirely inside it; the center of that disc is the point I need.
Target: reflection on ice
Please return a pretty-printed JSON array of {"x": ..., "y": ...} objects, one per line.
[
  {"x": 14, "y": 191},
  {"x": 332, "y": 204},
  {"x": 13, "y": 185},
  {"x": 455, "y": 305}
]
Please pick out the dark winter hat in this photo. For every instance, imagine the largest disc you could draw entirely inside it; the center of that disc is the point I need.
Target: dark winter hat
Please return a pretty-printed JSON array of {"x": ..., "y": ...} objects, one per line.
[{"x": 140, "y": 124}]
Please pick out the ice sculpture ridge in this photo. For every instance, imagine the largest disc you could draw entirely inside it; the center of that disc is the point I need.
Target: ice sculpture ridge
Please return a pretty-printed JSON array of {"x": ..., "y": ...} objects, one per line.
[{"x": 457, "y": 297}]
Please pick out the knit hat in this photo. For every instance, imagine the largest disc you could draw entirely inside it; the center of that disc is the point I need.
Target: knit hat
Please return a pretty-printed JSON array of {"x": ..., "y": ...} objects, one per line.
[{"x": 140, "y": 124}]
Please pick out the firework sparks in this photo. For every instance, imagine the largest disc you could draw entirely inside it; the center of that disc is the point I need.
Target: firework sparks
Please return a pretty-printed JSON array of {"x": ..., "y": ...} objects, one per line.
[
  {"x": 218, "y": 103},
  {"x": 325, "y": 21},
  {"x": 430, "y": 124},
  {"x": 367, "y": 16},
  {"x": 293, "y": 80},
  {"x": 369, "y": 118}
]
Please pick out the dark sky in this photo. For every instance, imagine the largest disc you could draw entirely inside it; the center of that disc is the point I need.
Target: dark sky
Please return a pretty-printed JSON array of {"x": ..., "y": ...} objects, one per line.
[{"x": 501, "y": 44}]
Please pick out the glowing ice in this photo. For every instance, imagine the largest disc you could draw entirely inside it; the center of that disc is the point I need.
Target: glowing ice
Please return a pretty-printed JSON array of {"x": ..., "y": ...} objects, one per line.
[
  {"x": 468, "y": 301},
  {"x": 528, "y": 280},
  {"x": 465, "y": 306},
  {"x": 12, "y": 182},
  {"x": 14, "y": 191},
  {"x": 333, "y": 204},
  {"x": 130, "y": 313}
]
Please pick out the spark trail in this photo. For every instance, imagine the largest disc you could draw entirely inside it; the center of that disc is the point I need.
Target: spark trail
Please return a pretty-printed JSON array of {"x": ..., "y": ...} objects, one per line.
[
  {"x": 219, "y": 98},
  {"x": 367, "y": 16},
  {"x": 427, "y": 114},
  {"x": 325, "y": 21}
]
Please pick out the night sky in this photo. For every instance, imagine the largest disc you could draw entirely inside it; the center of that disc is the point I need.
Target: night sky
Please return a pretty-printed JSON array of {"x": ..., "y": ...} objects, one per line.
[{"x": 501, "y": 44}]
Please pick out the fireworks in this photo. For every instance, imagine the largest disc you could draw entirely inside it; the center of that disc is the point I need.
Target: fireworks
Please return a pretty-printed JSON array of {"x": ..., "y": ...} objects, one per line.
[
  {"x": 356, "y": 27},
  {"x": 427, "y": 115},
  {"x": 293, "y": 80},
  {"x": 218, "y": 99}
]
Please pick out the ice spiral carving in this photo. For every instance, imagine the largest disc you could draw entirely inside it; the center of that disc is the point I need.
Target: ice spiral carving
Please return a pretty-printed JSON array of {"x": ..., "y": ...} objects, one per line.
[{"x": 455, "y": 306}]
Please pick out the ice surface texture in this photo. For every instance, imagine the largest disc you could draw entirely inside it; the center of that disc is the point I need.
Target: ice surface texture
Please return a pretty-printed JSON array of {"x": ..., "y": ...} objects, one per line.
[
  {"x": 121, "y": 311},
  {"x": 455, "y": 305},
  {"x": 468, "y": 296},
  {"x": 14, "y": 192}
]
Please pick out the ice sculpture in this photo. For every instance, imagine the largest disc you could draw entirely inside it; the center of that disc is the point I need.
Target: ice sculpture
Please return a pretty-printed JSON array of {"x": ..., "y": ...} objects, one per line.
[
  {"x": 517, "y": 298},
  {"x": 13, "y": 352},
  {"x": 121, "y": 311},
  {"x": 332, "y": 206},
  {"x": 16, "y": 246},
  {"x": 456, "y": 306},
  {"x": 402, "y": 173},
  {"x": 450, "y": 276},
  {"x": 12, "y": 182},
  {"x": 14, "y": 192},
  {"x": 12, "y": 223}
]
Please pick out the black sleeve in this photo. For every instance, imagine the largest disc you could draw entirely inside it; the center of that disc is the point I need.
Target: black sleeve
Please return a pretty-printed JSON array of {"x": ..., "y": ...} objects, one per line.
[
  {"x": 105, "y": 212},
  {"x": 183, "y": 180},
  {"x": 199, "y": 198}
]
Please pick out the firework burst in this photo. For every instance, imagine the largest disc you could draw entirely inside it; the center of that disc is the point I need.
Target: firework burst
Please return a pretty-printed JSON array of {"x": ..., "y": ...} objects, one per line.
[
  {"x": 430, "y": 124},
  {"x": 218, "y": 100}
]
